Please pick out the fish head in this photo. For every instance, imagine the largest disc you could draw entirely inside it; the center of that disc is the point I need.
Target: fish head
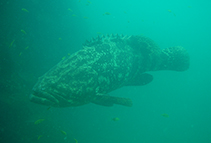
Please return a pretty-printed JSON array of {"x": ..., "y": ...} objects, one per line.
[
  {"x": 40, "y": 96},
  {"x": 65, "y": 85},
  {"x": 48, "y": 94}
]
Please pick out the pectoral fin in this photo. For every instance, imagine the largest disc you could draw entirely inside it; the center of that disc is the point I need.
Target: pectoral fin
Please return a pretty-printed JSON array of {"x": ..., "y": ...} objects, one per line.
[
  {"x": 140, "y": 80},
  {"x": 106, "y": 100}
]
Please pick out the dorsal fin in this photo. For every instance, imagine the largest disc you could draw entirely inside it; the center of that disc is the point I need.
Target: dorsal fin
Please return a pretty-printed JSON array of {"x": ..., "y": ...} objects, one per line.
[{"x": 106, "y": 39}]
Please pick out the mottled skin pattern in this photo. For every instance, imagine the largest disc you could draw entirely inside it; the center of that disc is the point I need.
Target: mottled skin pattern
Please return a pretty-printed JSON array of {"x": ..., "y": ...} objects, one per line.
[{"x": 103, "y": 65}]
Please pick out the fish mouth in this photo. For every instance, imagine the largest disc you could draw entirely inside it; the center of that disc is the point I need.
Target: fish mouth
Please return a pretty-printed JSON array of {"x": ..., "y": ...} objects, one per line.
[{"x": 43, "y": 98}]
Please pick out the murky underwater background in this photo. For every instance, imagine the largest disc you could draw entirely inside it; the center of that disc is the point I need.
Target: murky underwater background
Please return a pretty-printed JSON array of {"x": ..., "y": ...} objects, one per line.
[{"x": 36, "y": 34}]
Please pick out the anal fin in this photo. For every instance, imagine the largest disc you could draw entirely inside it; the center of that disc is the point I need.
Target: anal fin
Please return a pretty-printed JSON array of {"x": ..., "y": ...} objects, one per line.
[
  {"x": 106, "y": 100},
  {"x": 140, "y": 80}
]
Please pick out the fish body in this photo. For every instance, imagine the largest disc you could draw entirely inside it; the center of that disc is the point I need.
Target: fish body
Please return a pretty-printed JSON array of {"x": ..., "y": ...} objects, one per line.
[
  {"x": 76, "y": 141},
  {"x": 11, "y": 43},
  {"x": 39, "y": 121},
  {"x": 39, "y": 137},
  {"x": 63, "y": 132},
  {"x": 165, "y": 115},
  {"x": 115, "y": 119},
  {"x": 107, "y": 13},
  {"x": 70, "y": 9},
  {"x": 105, "y": 64},
  {"x": 24, "y": 32},
  {"x": 25, "y": 10}
]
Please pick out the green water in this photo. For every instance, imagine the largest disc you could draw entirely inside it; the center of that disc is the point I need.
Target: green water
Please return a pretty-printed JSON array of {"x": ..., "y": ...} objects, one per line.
[{"x": 36, "y": 34}]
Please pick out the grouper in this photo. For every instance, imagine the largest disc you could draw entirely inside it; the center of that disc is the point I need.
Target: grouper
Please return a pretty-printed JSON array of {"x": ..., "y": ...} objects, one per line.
[{"x": 104, "y": 64}]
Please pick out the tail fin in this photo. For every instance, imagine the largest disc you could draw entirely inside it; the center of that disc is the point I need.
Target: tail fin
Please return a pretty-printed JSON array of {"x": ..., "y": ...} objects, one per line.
[
  {"x": 108, "y": 101},
  {"x": 175, "y": 58}
]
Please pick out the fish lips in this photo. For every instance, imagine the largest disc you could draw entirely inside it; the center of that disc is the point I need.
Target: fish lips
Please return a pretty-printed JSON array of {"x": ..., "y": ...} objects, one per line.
[{"x": 43, "y": 98}]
